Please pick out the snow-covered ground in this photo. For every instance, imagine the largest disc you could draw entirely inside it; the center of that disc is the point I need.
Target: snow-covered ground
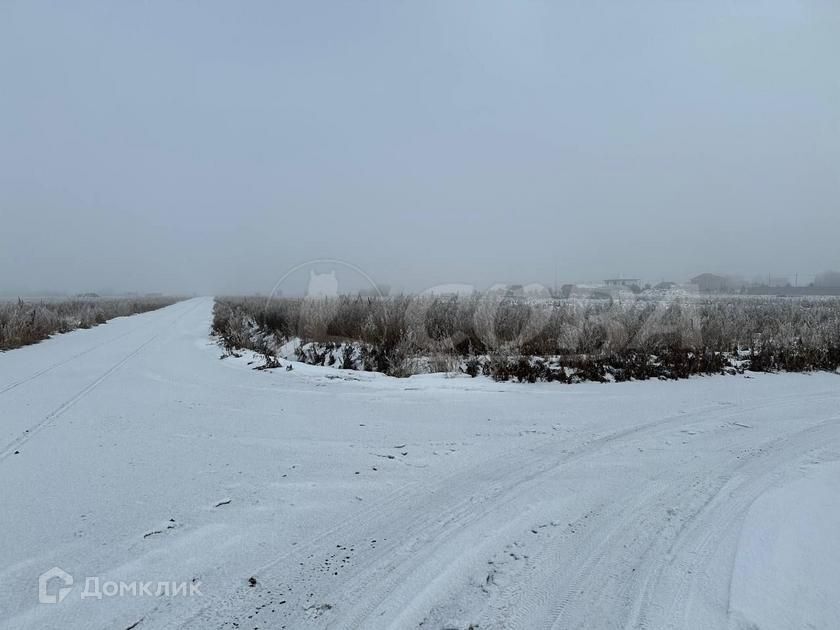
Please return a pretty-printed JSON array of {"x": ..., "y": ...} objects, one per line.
[{"x": 129, "y": 453}]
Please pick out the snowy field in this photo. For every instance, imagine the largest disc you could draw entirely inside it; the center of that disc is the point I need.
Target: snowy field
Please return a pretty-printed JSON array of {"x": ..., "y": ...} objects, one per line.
[{"x": 131, "y": 454}]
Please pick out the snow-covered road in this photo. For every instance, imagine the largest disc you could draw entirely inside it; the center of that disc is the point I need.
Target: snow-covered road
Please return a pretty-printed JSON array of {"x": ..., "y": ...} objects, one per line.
[{"x": 130, "y": 453}]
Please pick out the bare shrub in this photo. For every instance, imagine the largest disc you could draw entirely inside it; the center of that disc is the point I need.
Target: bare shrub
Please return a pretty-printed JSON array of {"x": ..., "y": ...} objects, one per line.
[
  {"x": 26, "y": 322},
  {"x": 526, "y": 338}
]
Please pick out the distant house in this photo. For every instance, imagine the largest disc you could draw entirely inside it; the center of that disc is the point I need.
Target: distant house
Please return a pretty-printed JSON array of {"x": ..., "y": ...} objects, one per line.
[
  {"x": 665, "y": 286},
  {"x": 622, "y": 282},
  {"x": 711, "y": 283}
]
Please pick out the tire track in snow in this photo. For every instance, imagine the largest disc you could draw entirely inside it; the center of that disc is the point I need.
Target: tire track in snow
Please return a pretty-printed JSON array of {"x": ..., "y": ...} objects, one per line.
[
  {"x": 402, "y": 501},
  {"x": 703, "y": 531},
  {"x": 70, "y": 359},
  {"x": 410, "y": 517},
  {"x": 464, "y": 516},
  {"x": 632, "y": 523},
  {"x": 618, "y": 528},
  {"x": 10, "y": 448},
  {"x": 429, "y": 525}
]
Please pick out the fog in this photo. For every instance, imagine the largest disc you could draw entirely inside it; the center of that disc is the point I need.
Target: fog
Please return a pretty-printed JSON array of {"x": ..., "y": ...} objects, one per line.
[{"x": 212, "y": 147}]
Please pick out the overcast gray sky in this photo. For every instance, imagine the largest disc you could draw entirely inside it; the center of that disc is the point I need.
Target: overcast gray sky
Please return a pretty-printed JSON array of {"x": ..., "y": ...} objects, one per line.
[{"x": 207, "y": 146}]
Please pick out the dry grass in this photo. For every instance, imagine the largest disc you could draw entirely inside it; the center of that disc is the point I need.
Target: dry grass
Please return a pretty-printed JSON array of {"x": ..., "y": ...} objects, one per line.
[
  {"x": 514, "y": 337},
  {"x": 27, "y": 322}
]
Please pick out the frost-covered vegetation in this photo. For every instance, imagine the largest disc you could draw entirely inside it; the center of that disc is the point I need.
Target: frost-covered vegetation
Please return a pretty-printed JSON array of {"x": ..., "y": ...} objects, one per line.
[
  {"x": 538, "y": 339},
  {"x": 24, "y": 322}
]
